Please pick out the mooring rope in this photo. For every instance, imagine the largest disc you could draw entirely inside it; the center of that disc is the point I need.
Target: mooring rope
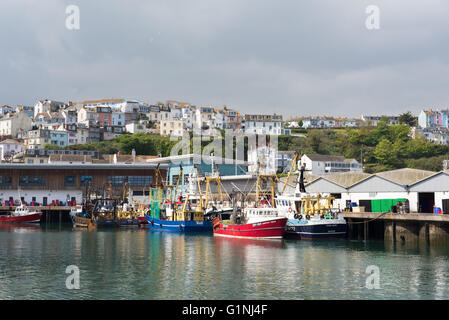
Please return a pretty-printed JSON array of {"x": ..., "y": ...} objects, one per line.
[{"x": 382, "y": 214}]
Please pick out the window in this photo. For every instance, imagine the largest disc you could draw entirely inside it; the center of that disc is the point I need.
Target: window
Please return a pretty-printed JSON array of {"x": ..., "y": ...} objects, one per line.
[
  {"x": 70, "y": 181},
  {"x": 140, "y": 181},
  {"x": 31, "y": 181},
  {"x": 5, "y": 180},
  {"x": 117, "y": 180},
  {"x": 86, "y": 180}
]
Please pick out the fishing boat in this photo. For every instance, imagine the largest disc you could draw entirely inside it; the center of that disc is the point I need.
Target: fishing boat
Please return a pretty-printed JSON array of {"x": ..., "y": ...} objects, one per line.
[
  {"x": 127, "y": 216},
  {"x": 189, "y": 218},
  {"x": 81, "y": 218},
  {"x": 186, "y": 214},
  {"x": 254, "y": 223},
  {"x": 22, "y": 214},
  {"x": 96, "y": 213},
  {"x": 310, "y": 216}
]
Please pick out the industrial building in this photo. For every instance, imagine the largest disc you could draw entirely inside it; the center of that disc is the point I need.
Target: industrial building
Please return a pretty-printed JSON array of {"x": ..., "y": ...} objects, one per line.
[
  {"x": 424, "y": 190},
  {"x": 205, "y": 165},
  {"x": 63, "y": 182}
]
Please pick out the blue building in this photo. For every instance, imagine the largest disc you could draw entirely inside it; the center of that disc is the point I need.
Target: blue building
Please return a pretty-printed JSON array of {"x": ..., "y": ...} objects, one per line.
[
  {"x": 58, "y": 138},
  {"x": 206, "y": 166}
]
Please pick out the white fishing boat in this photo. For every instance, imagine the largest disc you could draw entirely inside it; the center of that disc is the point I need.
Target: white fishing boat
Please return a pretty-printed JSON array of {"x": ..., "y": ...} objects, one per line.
[{"x": 310, "y": 216}]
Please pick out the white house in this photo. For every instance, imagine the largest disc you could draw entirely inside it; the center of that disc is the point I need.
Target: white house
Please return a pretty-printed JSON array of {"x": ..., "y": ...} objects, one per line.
[
  {"x": 12, "y": 124},
  {"x": 9, "y": 148},
  {"x": 44, "y": 106},
  {"x": 265, "y": 124},
  {"x": 325, "y": 164},
  {"x": 136, "y": 127}
]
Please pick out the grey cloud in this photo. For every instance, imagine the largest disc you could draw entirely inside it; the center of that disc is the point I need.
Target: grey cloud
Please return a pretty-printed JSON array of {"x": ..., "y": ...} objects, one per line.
[{"x": 289, "y": 57}]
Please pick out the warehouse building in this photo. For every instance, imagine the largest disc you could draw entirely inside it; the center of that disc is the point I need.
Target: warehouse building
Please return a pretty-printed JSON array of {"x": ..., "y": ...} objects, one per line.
[
  {"x": 422, "y": 190},
  {"x": 64, "y": 182}
]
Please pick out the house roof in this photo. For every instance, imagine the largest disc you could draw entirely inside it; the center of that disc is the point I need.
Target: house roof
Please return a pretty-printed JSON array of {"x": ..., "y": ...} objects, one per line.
[
  {"x": 101, "y": 101},
  {"x": 322, "y": 157},
  {"x": 10, "y": 141},
  {"x": 43, "y": 114}
]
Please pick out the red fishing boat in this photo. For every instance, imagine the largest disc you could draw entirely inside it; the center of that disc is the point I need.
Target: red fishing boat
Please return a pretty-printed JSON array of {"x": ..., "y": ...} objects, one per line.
[
  {"x": 256, "y": 223},
  {"x": 22, "y": 214}
]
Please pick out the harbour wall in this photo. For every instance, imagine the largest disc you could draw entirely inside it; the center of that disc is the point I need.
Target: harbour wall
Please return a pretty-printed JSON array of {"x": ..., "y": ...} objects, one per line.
[{"x": 432, "y": 229}]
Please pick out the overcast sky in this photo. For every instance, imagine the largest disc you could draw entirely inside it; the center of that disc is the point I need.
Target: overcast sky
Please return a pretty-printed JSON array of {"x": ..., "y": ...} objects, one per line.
[{"x": 299, "y": 57}]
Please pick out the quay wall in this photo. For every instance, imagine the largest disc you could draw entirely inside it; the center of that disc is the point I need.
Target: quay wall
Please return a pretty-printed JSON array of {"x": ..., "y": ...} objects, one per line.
[{"x": 399, "y": 228}]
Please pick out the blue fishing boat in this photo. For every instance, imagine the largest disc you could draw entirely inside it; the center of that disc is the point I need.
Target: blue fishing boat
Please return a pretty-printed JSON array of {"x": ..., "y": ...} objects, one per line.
[
  {"x": 179, "y": 226},
  {"x": 183, "y": 216}
]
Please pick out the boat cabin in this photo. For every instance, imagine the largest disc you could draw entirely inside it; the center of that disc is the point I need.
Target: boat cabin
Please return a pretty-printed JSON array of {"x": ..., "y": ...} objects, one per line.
[{"x": 260, "y": 212}]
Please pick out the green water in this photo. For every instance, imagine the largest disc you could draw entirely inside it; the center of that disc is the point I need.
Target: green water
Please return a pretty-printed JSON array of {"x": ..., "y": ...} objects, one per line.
[{"x": 142, "y": 264}]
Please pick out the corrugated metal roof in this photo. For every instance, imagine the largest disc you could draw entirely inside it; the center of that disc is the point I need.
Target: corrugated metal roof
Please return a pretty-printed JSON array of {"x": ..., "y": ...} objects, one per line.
[
  {"x": 406, "y": 176},
  {"x": 347, "y": 179}
]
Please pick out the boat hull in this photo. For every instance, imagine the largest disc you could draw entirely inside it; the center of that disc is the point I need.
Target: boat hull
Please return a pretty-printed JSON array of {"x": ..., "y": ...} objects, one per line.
[
  {"x": 179, "y": 226},
  {"x": 128, "y": 223},
  {"x": 142, "y": 221},
  {"x": 105, "y": 223},
  {"x": 29, "y": 218},
  {"x": 323, "y": 231},
  {"x": 83, "y": 222},
  {"x": 270, "y": 229}
]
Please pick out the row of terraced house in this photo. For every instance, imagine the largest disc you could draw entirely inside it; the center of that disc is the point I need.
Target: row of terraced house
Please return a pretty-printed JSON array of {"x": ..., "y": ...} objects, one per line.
[{"x": 63, "y": 124}]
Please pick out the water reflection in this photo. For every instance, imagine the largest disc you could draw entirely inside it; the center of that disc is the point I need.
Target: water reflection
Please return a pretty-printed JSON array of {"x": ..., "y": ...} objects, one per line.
[
  {"x": 141, "y": 264},
  {"x": 19, "y": 227}
]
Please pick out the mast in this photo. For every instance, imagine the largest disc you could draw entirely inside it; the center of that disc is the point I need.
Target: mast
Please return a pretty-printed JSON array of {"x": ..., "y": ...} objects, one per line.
[
  {"x": 199, "y": 187},
  {"x": 300, "y": 182},
  {"x": 290, "y": 171}
]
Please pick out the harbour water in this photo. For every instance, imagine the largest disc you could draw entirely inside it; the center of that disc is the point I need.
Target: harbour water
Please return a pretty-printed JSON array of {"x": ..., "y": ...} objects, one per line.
[{"x": 142, "y": 264}]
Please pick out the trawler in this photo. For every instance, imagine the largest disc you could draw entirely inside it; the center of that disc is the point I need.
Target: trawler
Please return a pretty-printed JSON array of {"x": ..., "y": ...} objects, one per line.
[
  {"x": 310, "y": 216},
  {"x": 184, "y": 215},
  {"x": 22, "y": 214},
  {"x": 253, "y": 223},
  {"x": 260, "y": 220}
]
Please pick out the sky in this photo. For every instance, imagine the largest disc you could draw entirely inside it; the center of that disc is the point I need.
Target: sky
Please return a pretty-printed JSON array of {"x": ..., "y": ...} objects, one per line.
[{"x": 295, "y": 58}]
